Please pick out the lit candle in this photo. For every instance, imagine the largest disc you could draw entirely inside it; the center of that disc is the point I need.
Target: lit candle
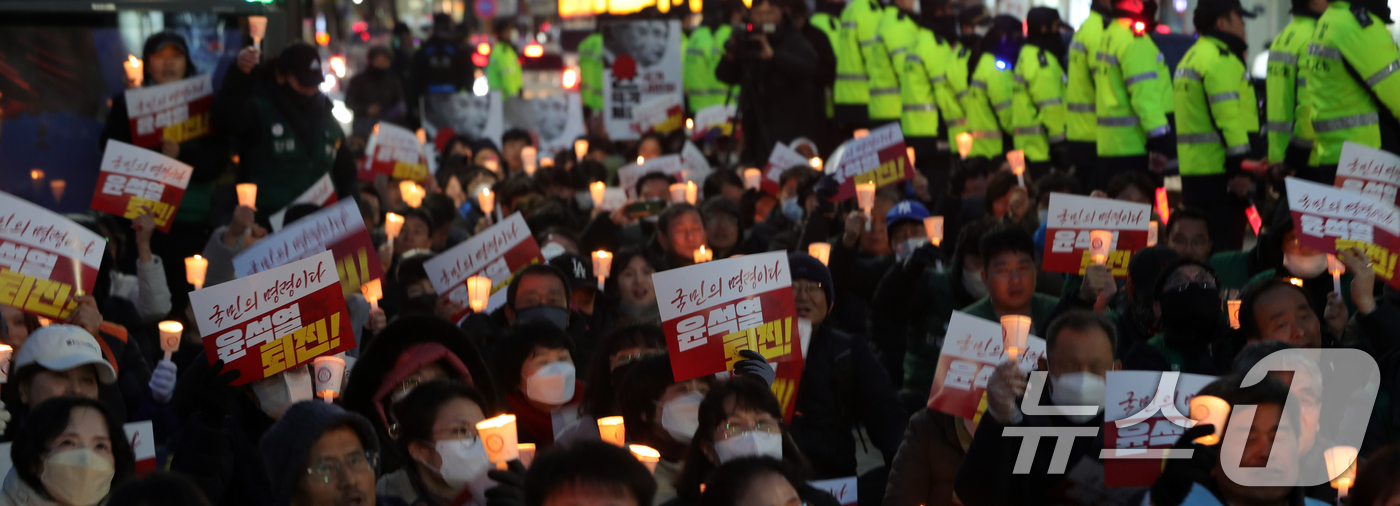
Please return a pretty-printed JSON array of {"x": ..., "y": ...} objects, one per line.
[
  {"x": 641, "y": 159},
  {"x": 1336, "y": 267},
  {"x": 909, "y": 151},
  {"x": 964, "y": 145},
  {"x": 528, "y": 159},
  {"x": 373, "y": 291},
  {"x": 499, "y": 438},
  {"x": 486, "y": 200},
  {"x": 1298, "y": 282},
  {"x": 57, "y": 186},
  {"x": 816, "y": 163},
  {"x": 1017, "y": 159},
  {"x": 1100, "y": 244},
  {"x": 1015, "y": 330},
  {"x": 1212, "y": 410},
  {"x": 1152, "y": 233},
  {"x": 691, "y": 192},
  {"x": 393, "y": 223},
  {"x": 933, "y": 226},
  {"x": 194, "y": 270},
  {"x": 598, "y": 191},
  {"x": 1341, "y": 467},
  {"x": 689, "y": 127},
  {"x": 602, "y": 266},
  {"x": 478, "y": 292},
  {"x": 612, "y": 430},
  {"x": 865, "y": 194},
  {"x": 703, "y": 255},
  {"x": 257, "y": 28},
  {"x": 646, "y": 455},
  {"x": 492, "y": 164},
  {"x": 581, "y": 148},
  {"x": 170, "y": 331},
  {"x": 861, "y": 133},
  {"x": 527, "y": 453},
  {"x": 132, "y": 66},
  {"x": 420, "y": 133},
  {"x": 412, "y": 193},
  {"x": 546, "y": 162},
  {"x": 820, "y": 250},
  {"x": 329, "y": 369},
  {"x": 247, "y": 195},
  {"x": 752, "y": 179},
  {"x": 1234, "y": 309},
  {"x": 677, "y": 193},
  {"x": 5, "y": 353}
]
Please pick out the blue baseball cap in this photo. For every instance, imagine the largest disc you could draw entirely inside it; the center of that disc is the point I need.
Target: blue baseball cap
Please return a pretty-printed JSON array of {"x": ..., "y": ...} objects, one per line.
[{"x": 906, "y": 210}]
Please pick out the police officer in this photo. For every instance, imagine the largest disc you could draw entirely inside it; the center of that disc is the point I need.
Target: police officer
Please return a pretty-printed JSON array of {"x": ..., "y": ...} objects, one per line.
[
  {"x": 1081, "y": 125},
  {"x": 702, "y": 56},
  {"x": 590, "y": 63},
  {"x": 896, "y": 34},
  {"x": 1217, "y": 120},
  {"x": 1038, "y": 103},
  {"x": 973, "y": 22},
  {"x": 1289, "y": 123},
  {"x": 1352, "y": 57},
  {"x": 926, "y": 95},
  {"x": 503, "y": 71},
  {"x": 860, "y": 23},
  {"x": 988, "y": 99},
  {"x": 827, "y": 19},
  {"x": 1133, "y": 93}
]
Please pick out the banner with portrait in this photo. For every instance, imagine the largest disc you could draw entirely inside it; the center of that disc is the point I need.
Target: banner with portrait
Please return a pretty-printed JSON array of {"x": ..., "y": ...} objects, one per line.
[
  {"x": 555, "y": 119},
  {"x": 461, "y": 113},
  {"x": 642, "y": 86}
]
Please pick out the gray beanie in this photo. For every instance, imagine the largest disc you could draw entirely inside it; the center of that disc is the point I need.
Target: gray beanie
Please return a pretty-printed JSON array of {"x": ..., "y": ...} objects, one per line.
[{"x": 287, "y": 443}]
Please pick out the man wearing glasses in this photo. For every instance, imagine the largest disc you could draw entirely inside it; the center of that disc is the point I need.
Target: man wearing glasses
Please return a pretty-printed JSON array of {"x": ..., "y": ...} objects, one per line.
[{"x": 318, "y": 454}]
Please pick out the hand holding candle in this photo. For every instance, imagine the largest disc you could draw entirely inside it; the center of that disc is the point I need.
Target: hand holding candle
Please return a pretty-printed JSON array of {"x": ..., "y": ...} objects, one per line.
[
  {"x": 329, "y": 370},
  {"x": 933, "y": 226},
  {"x": 1336, "y": 267},
  {"x": 247, "y": 195},
  {"x": 170, "y": 332},
  {"x": 194, "y": 271},
  {"x": 1341, "y": 467},
  {"x": 257, "y": 29},
  {"x": 602, "y": 266},
  {"x": 393, "y": 223},
  {"x": 1100, "y": 244},
  {"x": 1015, "y": 332},
  {"x": 373, "y": 292},
  {"x": 865, "y": 195}
]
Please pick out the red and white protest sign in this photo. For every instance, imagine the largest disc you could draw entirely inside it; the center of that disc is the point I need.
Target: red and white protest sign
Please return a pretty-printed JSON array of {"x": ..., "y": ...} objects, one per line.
[
  {"x": 46, "y": 260},
  {"x": 782, "y": 158},
  {"x": 1152, "y": 425},
  {"x": 265, "y": 323},
  {"x": 878, "y": 157},
  {"x": 133, "y": 177},
  {"x": 711, "y": 311},
  {"x": 394, "y": 151},
  {"x": 720, "y": 117},
  {"x": 1327, "y": 219},
  {"x": 696, "y": 165},
  {"x": 338, "y": 228},
  {"x": 321, "y": 193},
  {"x": 498, "y": 253},
  {"x": 142, "y": 437},
  {"x": 662, "y": 114},
  {"x": 628, "y": 175},
  {"x": 972, "y": 349},
  {"x": 1070, "y": 220},
  {"x": 178, "y": 111},
  {"x": 1369, "y": 171},
  {"x": 843, "y": 489}
]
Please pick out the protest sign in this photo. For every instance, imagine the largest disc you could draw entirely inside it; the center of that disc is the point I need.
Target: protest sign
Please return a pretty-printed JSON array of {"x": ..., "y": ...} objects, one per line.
[
  {"x": 138, "y": 434},
  {"x": 46, "y": 260},
  {"x": 716, "y": 117},
  {"x": 178, "y": 111},
  {"x": 628, "y": 175},
  {"x": 133, "y": 177},
  {"x": 338, "y": 229},
  {"x": 782, "y": 158},
  {"x": 642, "y": 88},
  {"x": 1328, "y": 219},
  {"x": 1369, "y": 171},
  {"x": 1070, "y": 220},
  {"x": 394, "y": 151},
  {"x": 878, "y": 158},
  {"x": 498, "y": 253},
  {"x": 972, "y": 350},
  {"x": 274, "y": 320},
  {"x": 1135, "y": 393},
  {"x": 697, "y": 167},
  {"x": 843, "y": 489},
  {"x": 711, "y": 311},
  {"x": 321, "y": 193}
]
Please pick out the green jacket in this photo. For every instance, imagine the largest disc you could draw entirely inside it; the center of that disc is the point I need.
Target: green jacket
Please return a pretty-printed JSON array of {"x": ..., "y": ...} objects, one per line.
[
  {"x": 860, "y": 22},
  {"x": 1132, "y": 90},
  {"x": 1080, "y": 123},
  {"x": 924, "y": 89},
  {"x": 1288, "y": 121},
  {"x": 988, "y": 98},
  {"x": 1216, "y": 111},
  {"x": 1350, "y": 42},
  {"x": 956, "y": 118},
  {"x": 885, "y": 62},
  {"x": 702, "y": 56},
  {"x": 590, "y": 63},
  {"x": 281, "y": 163},
  {"x": 503, "y": 71},
  {"x": 1038, "y": 103}
]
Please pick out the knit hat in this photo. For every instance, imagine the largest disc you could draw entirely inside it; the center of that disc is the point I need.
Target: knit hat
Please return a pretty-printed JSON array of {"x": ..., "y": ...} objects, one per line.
[
  {"x": 287, "y": 443},
  {"x": 807, "y": 267}
]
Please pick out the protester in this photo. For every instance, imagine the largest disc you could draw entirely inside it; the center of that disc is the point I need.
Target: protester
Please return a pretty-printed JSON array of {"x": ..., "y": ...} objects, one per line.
[
  {"x": 159, "y": 487},
  {"x": 60, "y": 360},
  {"x": 590, "y": 472},
  {"x": 618, "y": 352},
  {"x": 662, "y": 414},
  {"x": 538, "y": 380},
  {"x": 758, "y": 481},
  {"x": 71, "y": 452},
  {"x": 374, "y": 95},
  {"x": 320, "y": 454},
  {"x": 437, "y": 435},
  {"x": 1188, "y": 304}
]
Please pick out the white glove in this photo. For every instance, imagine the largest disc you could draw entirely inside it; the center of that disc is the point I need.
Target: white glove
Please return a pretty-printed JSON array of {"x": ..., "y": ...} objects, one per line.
[{"x": 163, "y": 381}]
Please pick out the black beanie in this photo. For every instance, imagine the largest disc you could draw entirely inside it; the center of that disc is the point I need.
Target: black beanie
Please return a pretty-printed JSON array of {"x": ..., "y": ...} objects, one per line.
[{"x": 807, "y": 267}]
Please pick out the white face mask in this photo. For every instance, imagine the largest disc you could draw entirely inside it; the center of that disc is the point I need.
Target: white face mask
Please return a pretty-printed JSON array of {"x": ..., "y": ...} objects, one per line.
[
  {"x": 279, "y": 392},
  {"x": 904, "y": 250},
  {"x": 750, "y": 444},
  {"x": 972, "y": 282},
  {"x": 552, "y": 384},
  {"x": 681, "y": 416},
  {"x": 79, "y": 476},
  {"x": 1306, "y": 267},
  {"x": 1078, "y": 389},
  {"x": 465, "y": 464}
]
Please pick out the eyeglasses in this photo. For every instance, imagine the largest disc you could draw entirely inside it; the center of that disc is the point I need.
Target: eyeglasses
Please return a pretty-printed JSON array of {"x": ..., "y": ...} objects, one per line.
[
  {"x": 808, "y": 287},
  {"x": 322, "y": 471},
  {"x": 622, "y": 360},
  {"x": 735, "y": 430}
]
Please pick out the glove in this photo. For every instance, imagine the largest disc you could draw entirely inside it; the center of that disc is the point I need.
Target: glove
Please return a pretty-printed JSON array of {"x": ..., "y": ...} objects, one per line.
[
  {"x": 755, "y": 365},
  {"x": 163, "y": 381},
  {"x": 216, "y": 392},
  {"x": 4, "y": 418},
  {"x": 1174, "y": 483},
  {"x": 510, "y": 486}
]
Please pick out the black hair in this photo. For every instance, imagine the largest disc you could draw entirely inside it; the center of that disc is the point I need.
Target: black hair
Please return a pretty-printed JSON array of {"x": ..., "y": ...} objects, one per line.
[
  {"x": 672, "y": 212},
  {"x": 298, "y": 211},
  {"x": 415, "y": 212},
  {"x": 1005, "y": 238},
  {"x": 731, "y": 481},
  {"x": 1166, "y": 274},
  {"x": 519, "y": 343},
  {"x": 160, "y": 488},
  {"x": 652, "y": 135},
  {"x": 971, "y": 168},
  {"x": 599, "y": 399},
  {"x": 535, "y": 270},
  {"x": 1081, "y": 321},
  {"x": 453, "y": 165},
  {"x": 623, "y": 257},
  {"x": 513, "y": 188},
  {"x": 714, "y": 183},
  {"x": 649, "y": 177},
  {"x": 594, "y": 465},
  {"x": 1251, "y": 295},
  {"x": 546, "y": 177},
  {"x": 999, "y": 186},
  {"x": 1056, "y": 183},
  {"x": 1204, "y": 20},
  {"x": 417, "y": 413},
  {"x": 441, "y": 208},
  {"x": 719, "y": 204},
  {"x": 1375, "y": 478},
  {"x": 50, "y": 419},
  {"x": 1269, "y": 390},
  {"x": 806, "y": 180},
  {"x": 1140, "y": 180},
  {"x": 748, "y": 394},
  {"x": 640, "y": 390},
  {"x": 1183, "y": 213},
  {"x": 967, "y": 243},
  {"x": 516, "y": 134}
]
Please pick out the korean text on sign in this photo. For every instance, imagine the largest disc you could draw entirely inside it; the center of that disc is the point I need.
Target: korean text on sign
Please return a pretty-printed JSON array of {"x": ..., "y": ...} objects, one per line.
[
  {"x": 1328, "y": 219},
  {"x": 46, "y": 260},
  {"x": 1070, "y": 220},
  {"x": 627, "y": 176},
  {"x": 1151, "y": 406},
  {"x": 266, "y": 323},
  {"x": 1369, "y": 171},
  {"x": 972, "y": 349},
  {"x": 879, "y": 158},
  {"x": 338, "y": 228},
  {"x": 498, "y": 253},
  {"x": 177, "y": 111},
  {"x": 395, "y": 152},
  {"x": 133, "y": 178},
  {"x": 642, "y": 84},
  {"x": 321, "y": 193},
  {"x": 782, "y": 158}
]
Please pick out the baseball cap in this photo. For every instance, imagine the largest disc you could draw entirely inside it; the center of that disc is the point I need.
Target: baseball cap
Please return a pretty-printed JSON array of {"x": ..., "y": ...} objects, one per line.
[
  {"x": 1216, "y": 8},
  {"x": 60, "y": 347},
  {"x": 578, "y": 269},
  {"x": 302, "y": 62},
  {"x": 906, "y": 210}
]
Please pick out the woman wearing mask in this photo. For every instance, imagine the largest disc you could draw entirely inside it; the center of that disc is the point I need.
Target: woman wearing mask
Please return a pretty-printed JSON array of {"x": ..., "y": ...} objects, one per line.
[
  {"x": 739, "y": 418},
  {"x": 663, "y": 414},
  {"x": 437, "y": 436},
  {"x": 629, "y": 296},
  {"x": 536, "y": 366},
  {"x": 1188, "y": 303},
  {"x": 71, "y": 453},
  {"x": 618, "y": 352}
]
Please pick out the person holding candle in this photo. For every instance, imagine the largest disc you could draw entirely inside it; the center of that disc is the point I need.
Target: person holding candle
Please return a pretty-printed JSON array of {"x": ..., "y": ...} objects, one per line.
[
  {"x": 437, "y": 437},
  {"x": 1187, "y": 301},
  {"x": 1305, "y": 384},
  {"x": 628, "y": 294},
  {"x": 619, "y": 351},
  {"x": 723, "y": 230},
  {"x": 536, "y": 367},
  {"x": 590, "y": 472},
  {"x": 725, "y": 183},
  {"x": 1375, "y": 478},
  {"x": 227, "y": 242},
  {"x": 417, "y": 231},
  {"x": 680, "y": 231},
  {"x": 319, "y": 454},
  {"x": 663, "y": 414},
  {"x": 1008, "y": 257}
]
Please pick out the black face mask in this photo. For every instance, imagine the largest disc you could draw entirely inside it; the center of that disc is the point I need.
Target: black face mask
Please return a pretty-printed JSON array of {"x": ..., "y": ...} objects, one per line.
[
  {"x": 1191, "y": 313},
  {"x": 944, "y": 26},
  {"x": 426, "y": 303}
]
